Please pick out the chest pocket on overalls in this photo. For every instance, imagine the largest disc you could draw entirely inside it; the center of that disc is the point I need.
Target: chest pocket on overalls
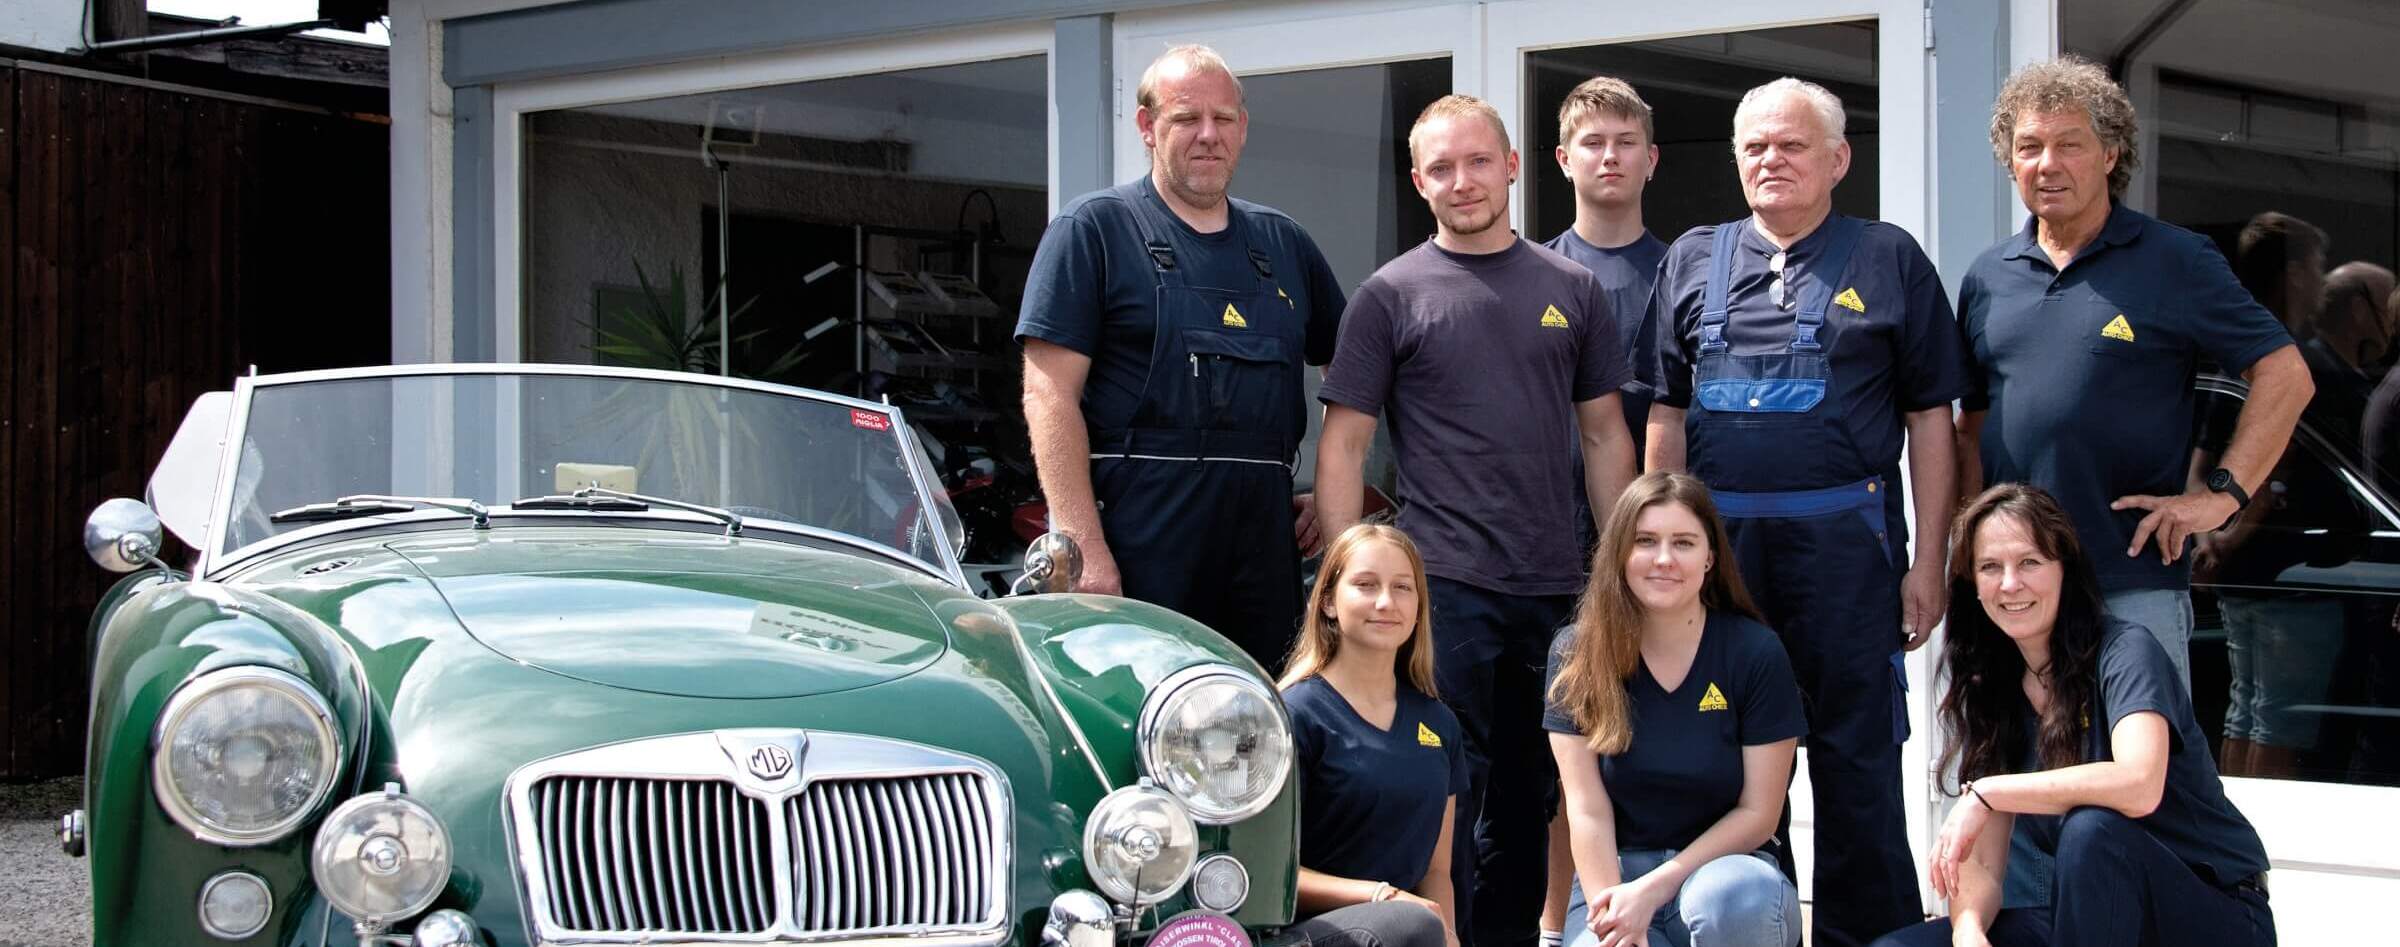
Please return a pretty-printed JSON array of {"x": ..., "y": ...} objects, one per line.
[
  {"x": 1239, "y": 378},
  {"x": 1783, "y": 383}
]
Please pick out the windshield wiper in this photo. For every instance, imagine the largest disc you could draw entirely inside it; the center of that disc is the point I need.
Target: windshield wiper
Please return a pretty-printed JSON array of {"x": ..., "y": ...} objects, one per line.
[
  {"x": 585, "y": 504},
  {"x": 371, "y": 504},
  {"x": 731, "y": 519}
]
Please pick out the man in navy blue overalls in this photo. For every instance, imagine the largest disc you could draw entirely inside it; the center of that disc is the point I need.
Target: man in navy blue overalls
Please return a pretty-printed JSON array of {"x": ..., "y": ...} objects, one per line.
[
  {"x": 1165, "y": 325},
  {"x": 1798, "y": 349}
]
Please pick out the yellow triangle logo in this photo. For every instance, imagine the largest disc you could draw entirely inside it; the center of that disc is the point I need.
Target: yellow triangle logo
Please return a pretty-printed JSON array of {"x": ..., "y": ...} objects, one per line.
[
  {"x": 1554, "y": 319},
  {"x": 1287, "y": 300},
  {"x": 1713, "y": 700},
  {"x": 1426, "y": 736},
  {"x": 2117, "y": 329},
  {"x": 1849, "y": 300},
  {"x": 1234, "y": 318}
]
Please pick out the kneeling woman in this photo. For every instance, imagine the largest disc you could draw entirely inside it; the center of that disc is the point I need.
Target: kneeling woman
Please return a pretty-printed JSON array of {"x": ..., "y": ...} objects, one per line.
[
  {"x": 1673, "y": 716},
  {"x": 2076, "y": 721},
  {"x": 1379, "y": 758}
]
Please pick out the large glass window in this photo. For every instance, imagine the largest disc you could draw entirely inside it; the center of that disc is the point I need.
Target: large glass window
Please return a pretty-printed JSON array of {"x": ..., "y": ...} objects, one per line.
[
  {"x": 2290, "y": 131},
  {"x": 1692, "y": 84}
]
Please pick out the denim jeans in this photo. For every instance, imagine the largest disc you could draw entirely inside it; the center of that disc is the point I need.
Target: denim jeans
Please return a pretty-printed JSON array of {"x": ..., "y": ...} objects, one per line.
[
  {"x": 2167, "y": 615},
  {"x": 1375, "y": 924},
  {"x": 1734, "y": 901}
]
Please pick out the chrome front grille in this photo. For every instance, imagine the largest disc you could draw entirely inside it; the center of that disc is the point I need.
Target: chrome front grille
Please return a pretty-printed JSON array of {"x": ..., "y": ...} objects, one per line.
[
  {"x": 751, "y": 836},
  {"x": 883, "y": 853},
  {"x": 655, "y": 855}
]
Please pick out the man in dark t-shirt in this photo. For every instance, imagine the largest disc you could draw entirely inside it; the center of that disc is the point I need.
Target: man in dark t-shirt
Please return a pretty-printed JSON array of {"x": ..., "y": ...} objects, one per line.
[
  {"x": 1165, "y": 325},
  {"x": 1606, "y": 150},
  {"x": 1488, "y": 353}
]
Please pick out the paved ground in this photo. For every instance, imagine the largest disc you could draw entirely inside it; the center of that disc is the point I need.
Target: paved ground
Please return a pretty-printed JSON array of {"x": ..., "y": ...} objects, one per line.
[{"x": 45, "y": 897}]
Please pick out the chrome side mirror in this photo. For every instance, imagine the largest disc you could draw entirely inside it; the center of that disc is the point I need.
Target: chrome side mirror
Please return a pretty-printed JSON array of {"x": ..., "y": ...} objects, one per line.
[
  {"x": 1052, "y": 564},
  {"x": 123, "y": 535}
]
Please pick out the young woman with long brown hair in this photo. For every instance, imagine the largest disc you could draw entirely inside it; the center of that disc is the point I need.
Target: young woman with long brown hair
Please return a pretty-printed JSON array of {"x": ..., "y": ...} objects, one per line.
[
  {"x": 1674, "y": 716},
  {"x": 2077, "y": 724},
  {"x": 1379, "y": 758}
]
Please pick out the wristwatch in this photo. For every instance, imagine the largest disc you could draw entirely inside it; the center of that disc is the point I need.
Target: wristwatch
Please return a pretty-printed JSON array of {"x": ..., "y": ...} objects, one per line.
[{"x": 2221, "y": 480}]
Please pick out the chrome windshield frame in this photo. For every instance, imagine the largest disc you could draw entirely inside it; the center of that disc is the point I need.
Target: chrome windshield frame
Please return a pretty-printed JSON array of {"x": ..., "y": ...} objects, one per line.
[{"x": 212, "y": 563}]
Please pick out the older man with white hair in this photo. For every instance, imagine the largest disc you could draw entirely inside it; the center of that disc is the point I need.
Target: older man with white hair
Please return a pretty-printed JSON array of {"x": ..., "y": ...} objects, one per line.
[{"x": 1799, "y": 349}]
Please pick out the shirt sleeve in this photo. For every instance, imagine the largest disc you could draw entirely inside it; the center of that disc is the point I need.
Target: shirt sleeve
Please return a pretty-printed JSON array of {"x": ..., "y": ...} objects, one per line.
[
  {"x": 2136, "y": 676},
  {"x": 2226, "y": 323},
  {"x": 1604, "y": 367},
  {"x": 1555, "y": 718},
  {"x": 1971, "y": 300},
  {"x": 1933, "y": 348},
  {"x": 1663, "y": 326},
  {"x": 1325, "y": 299},
  {"x": 1066, "y": 290},
  {"x": 1769, "y": 705},
  {"x": 1360, "y": 376}
]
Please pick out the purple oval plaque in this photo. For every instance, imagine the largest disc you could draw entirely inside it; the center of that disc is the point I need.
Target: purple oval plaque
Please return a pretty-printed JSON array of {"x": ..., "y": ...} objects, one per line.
[{"x": 1200, "y": 929}]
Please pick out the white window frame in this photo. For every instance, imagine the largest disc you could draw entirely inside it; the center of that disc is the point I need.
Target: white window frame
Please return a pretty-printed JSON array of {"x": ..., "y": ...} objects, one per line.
[{"x": 511, "y": 101}]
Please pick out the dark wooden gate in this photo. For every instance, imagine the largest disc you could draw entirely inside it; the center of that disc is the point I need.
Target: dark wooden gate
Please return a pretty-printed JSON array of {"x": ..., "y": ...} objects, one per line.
[{"x": 154, "y": 242}]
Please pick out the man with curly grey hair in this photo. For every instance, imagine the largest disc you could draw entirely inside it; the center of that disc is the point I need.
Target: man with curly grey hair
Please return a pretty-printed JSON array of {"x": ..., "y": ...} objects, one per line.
[{"x": 2085, "y": 329}]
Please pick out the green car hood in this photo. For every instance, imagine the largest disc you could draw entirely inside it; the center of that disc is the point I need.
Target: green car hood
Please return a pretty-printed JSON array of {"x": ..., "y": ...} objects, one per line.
[{"x": 670, "y": 614}]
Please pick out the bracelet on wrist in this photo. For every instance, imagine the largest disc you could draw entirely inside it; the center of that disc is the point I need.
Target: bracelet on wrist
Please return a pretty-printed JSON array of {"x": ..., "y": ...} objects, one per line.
[
  {"x": 1978, "y": 794},
  {"x": 1383, "y": 891}
]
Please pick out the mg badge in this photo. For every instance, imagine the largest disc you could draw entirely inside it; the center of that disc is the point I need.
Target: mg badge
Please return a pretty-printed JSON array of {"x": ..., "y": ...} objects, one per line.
[{"x": 770, "y": 762}]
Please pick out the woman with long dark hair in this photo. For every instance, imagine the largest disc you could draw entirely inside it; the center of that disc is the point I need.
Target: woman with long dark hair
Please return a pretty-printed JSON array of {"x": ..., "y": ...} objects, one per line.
[
  {"x": 2075, "y": 723},
  {"x": 1379, "y": 759},
  {"x": 1673, "y": 716}
]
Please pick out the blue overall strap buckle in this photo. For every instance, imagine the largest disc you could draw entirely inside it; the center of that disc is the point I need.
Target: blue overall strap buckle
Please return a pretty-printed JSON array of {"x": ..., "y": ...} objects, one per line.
[
  {"x": 1161, "y": 254},
  {"x": 1797, "y": 504},
  {"x": 1713, "y": 298},
  {"x": 1841, "y": 237}
]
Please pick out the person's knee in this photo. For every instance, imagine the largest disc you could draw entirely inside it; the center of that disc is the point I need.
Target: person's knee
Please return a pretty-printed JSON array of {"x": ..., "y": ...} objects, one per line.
[
  {"x": 2088, "y": 831},
  {"x": 1410, "y": 925},
  {"x": 1740, "y": 901}
]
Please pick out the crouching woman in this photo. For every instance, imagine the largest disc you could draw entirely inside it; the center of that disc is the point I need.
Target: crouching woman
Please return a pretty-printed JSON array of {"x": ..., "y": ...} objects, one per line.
[
  {"x": 1379, "y": 758},
  {"x": 2076, "y": 724},
  {"x": 1673, "y": 716}
]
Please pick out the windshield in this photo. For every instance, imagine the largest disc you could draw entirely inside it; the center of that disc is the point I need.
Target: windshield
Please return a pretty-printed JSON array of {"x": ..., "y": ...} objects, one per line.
[{"x": 499, "y": 438}]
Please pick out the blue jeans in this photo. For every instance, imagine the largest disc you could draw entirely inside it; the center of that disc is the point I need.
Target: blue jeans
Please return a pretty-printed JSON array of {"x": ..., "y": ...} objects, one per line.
[
  {"x": 2167, "y": 615},
  {"x": 1375, "y": 924},
  {"x": 1734, "y": 901},
  {"x": 2282, "y": 650}
]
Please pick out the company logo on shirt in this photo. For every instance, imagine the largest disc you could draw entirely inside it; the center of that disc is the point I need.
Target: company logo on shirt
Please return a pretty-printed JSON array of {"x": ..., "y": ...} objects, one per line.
[
  {"x": 1713, "y": 700},
  {"x": 1426, "y": 736},
  {"x": 1849, "y": 300},
  {"x": 1553, "y": 319},
  {"x": 2117, "y": 329},
  {"x": 1234, "y": 318}
]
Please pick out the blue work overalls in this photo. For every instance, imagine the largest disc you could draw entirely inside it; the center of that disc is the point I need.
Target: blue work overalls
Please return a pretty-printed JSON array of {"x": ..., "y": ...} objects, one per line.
[
  {"x": 1810, "y": 522},
  {"x": 1195, "y": 492}
]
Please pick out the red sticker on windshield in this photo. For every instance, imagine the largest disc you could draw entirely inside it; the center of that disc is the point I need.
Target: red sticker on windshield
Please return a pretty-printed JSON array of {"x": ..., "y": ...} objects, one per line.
[{"x": 870, "y": 420}]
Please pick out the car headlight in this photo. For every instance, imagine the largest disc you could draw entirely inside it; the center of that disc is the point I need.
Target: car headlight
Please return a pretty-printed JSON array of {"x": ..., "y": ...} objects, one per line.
[
  {"x": 1139, "y": 844},
  {"x": 1217, "y": 739},
  {"x": 244, "y": 754},
  {"x": 381, "y": 857}
]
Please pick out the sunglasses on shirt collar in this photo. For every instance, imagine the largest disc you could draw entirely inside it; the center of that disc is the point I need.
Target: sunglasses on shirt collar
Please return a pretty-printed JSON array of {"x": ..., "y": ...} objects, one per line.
[{"x": 1779, "y": 289}]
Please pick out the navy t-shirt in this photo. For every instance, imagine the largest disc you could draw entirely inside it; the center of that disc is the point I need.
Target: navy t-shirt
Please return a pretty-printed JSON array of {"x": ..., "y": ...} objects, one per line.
[
  {"x": 1093, "y": 287},
  {"x": 1897, "y": 350},
  {"x": 1684, "y": 769},
  {"x": 1625, "y": 274},
  {"x": 1371, "y": 800},
  {"x": 2193, "y": 819},
  {"x": 2087, "y": 372},
  {"x": 1477, "y": 361}
]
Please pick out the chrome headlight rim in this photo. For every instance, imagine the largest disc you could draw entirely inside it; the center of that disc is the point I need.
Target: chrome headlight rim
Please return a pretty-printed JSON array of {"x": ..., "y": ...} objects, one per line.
[
  {"x": 1147, "y": 744},
  {"x": 209, "y": 925},
  {"x": 391, "y": 802},
  {"x": 180, "y": 705}
]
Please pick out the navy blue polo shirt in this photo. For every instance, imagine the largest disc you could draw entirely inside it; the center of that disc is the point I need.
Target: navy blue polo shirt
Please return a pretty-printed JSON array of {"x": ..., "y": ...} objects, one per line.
[
  {"x": 1891, "y": 342},
  {"x": 1371, "y": 799},
  {"x": 1684, "y": 769},
  {"x": 1093, "y": 287},
  {"x": 2194, "y": 820},
  {"x": 1478, "y": 362},
  {"x": 2087, "y": 372},
  {"x": 1625, "y": 274}
]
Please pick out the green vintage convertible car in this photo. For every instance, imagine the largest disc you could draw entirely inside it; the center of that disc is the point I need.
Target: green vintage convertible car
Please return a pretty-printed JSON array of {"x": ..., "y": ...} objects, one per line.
[{"x": 511, "y": 655}]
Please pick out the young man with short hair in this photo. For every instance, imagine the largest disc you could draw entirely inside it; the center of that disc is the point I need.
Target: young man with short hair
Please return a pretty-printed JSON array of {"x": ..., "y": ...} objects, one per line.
[{"x": 1489, "y": 353}]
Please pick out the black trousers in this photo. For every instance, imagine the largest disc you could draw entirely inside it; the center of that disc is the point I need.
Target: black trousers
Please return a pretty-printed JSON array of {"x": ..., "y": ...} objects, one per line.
[
  {"x": 1210, "y": 539},
  {"x": 2118, "y": 887},
  {"x": 1490, "y": 653}
]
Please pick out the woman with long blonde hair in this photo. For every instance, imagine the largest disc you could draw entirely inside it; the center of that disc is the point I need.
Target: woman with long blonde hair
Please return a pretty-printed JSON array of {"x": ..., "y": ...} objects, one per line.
[
  {"x": 1379, "y": 758},
  {"x": 1673, "y": 715}
]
